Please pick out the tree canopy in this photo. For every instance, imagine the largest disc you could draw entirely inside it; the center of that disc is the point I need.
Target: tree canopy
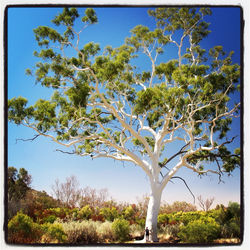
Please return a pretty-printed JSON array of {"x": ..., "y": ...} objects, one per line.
[{"x": 102, "y": 105}]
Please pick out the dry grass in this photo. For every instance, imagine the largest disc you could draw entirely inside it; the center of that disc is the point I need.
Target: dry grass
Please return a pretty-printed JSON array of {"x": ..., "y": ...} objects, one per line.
[{"x": 223, "y": 241}]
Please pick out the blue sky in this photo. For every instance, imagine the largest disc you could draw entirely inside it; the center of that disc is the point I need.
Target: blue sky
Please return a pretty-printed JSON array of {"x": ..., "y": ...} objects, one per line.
[{"x": 125, "y": 182}]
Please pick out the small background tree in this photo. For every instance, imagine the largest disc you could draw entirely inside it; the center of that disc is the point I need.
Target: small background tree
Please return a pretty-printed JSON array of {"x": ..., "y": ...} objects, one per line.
[
  {"x": 205, "y": 205},
  {"x": 18, "y": 186}
]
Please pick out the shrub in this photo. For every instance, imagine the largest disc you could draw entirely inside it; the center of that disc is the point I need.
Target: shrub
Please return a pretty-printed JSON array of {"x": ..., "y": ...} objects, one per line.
[
  {"x": 230, "y": 230},
  {"x": 120, "y": 228},
  {"x": 171, "y": 229},
  {"x": 185, "y": 217},
  {"x": 128, "y": 213},
  {"x": 98, "y": 217},
  {"x": 53, "y": 233},
  {"x": 105, "y": 233},
  {"x": 109, "y": 213},
  {"x": 136, "y": 231},
  {"x": 163, "y": 219},
  {"x": 233, "y": 211},
  {"x": 22, "y": 229},
  {"x": 204, "y": 230},
  {"x": 50, "y": 219},
  {"x": 48, "y": 215},
  {"x": 84, "y": 232},
  {"x": 141, "y": 222},
  {"x": 85, "y": 212}
]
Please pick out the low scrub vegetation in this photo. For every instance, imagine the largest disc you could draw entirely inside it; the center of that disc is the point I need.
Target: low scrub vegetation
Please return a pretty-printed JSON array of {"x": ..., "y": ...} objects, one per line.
[
  {"x": 76, "y": 226},
  {"x": 95, "y": 219}
]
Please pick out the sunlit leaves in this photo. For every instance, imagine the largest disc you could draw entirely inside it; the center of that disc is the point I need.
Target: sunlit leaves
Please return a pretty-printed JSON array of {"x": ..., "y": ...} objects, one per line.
[
  {"x": 166, "y": 69},
  {"x": 78, "y": 95},
  {"x": 67, "y": 17},
  {"x": 43, "y": 32},
  {"x": 90, "y": 16},
  {"x": 44, "y": 113},
  {"x": 17, "y": 110},
  {"x": 187, "y": 19}
]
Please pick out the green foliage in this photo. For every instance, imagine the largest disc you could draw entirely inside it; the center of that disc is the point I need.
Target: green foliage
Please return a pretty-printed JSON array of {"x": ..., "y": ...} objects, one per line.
[
  {"x": 186, "y": 217},
  {"x": 18, "y": 186},
  {"x": 67, "y": 17},
  {"x": 50, "y": 219},
  {"x": 85, "y": 212},
  {"x": 18, "y": 183},
  {"x": 163, "y": 219},
  {"x": 90, "y": 16},
  {"x": 141, "y": 222},
  {"x": 120, "y": 228},
  {"x": 230, "y": 220},
  {"x": 204, "y": 230},
  {"x": 109, "y": 214},
  {"x": 51, "y": 214},
  {"x": 22, "y": 229},
  {"x": 17, "y": 110},
  {"x": 53, "y": 233},
  {"x": 174, "y": 19},
  {"x": 231, "y": 230},
  {"x": 128, "y": 213},
  {"x": 43, "y": 33},
  {"x": 78, "y": 95}
]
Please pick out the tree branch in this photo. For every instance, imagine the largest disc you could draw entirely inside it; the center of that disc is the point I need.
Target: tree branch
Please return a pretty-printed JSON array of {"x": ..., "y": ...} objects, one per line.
[
  {"x": 178, "y": 177},
  {"x": 31, "y": 139}
]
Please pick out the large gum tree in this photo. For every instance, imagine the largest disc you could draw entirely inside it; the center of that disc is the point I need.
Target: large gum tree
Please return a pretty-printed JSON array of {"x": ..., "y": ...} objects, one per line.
[{"x": 103, "y": 105}]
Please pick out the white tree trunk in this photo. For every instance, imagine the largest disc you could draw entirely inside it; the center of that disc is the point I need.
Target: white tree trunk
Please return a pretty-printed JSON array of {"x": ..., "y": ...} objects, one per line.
[{"x": 153, "y": 211}]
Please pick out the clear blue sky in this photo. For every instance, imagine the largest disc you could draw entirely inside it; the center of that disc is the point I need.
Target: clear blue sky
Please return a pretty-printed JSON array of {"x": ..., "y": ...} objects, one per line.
[{"x": 125, "y": 182}]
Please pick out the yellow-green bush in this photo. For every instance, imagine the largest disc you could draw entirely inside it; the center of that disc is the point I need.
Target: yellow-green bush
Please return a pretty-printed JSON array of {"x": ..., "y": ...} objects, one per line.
[
  {"x": 53, "y": 233},
  {"x": 120, "y": 228},
  {"x": 22, "y": 229},
  {"x": 204, "y": 230},
  {"x": 85, "y": 212},
  {"x": 109, "y": 214}
]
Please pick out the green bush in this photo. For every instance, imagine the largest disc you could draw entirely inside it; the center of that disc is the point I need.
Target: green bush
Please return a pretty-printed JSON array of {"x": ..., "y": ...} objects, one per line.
[
  {"x": 53, "y": 233},
  {"x": 163, "y": 219},
  {"x": 50, "y": 219},
  {"x": 128, "y": 213},
  {"x": 230, "y": 230},
  {"x": 22, "y": 229},
  {"x": 109, "y": 214},
  {"x": 85, "y": 212},
  {"x": 204, "y": 230},
  {"x": 120, "y": 228},
  {"x": 186, "y": 217},
  {"x": 140, "y": 222}
]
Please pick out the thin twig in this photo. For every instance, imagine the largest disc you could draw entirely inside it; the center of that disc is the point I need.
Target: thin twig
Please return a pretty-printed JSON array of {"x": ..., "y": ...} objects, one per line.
[{"x": 31, "y": 139}]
